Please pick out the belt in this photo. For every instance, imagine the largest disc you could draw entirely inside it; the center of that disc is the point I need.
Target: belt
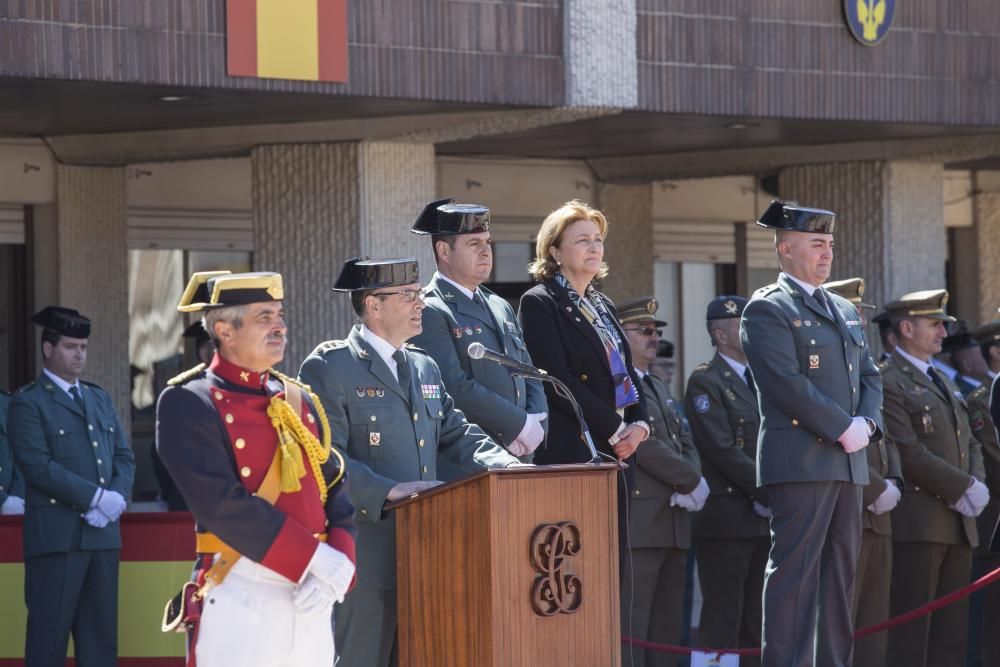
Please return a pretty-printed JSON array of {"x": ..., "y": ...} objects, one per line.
[{"x": 209, "y": 543}]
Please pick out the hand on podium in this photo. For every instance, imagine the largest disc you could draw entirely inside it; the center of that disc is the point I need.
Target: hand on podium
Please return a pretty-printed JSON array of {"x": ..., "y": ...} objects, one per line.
[{"x": 407, "y": 489}]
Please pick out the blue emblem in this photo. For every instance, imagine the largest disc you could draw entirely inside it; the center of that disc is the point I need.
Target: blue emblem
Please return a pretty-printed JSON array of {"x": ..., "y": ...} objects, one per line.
[
  {"x": 701, "y": 403},
  {"x": 869, "y": 20}
]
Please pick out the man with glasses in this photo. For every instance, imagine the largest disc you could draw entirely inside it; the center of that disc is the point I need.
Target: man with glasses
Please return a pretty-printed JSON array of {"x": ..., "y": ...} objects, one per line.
[
  {"x": 390, "y": 415},
  {"x": 668, "y": 485},
  {"x": 731, "y": 535},
  {"x": 460, "y": 311}
]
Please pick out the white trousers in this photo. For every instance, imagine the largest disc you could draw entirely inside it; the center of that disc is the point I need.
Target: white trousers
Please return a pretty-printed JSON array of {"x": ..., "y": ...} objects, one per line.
[{"x": 250, "y": 620}]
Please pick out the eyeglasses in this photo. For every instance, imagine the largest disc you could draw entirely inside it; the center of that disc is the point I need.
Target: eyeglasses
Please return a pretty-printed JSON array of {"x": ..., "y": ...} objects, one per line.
[
  {"x": 647, "y": 331},
  {"x": 409, "y": 295}
]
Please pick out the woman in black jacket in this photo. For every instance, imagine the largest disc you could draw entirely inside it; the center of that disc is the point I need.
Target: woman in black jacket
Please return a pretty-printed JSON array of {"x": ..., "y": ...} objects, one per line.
[{"x": 572, "y": 331}]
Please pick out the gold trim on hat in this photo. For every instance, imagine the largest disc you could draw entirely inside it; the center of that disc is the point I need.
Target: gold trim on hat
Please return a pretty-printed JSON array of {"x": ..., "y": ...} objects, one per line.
[
  {"x": 198, "y": 279},
  {"x": 271, "y": 284}
]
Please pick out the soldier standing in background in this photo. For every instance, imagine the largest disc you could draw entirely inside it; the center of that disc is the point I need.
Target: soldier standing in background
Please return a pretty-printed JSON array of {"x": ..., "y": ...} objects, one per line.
[{"x": 731, "y": 535}]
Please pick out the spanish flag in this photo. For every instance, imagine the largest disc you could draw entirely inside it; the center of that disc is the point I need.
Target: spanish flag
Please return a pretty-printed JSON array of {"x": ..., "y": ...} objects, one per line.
[{"x": 287, "y": 39}]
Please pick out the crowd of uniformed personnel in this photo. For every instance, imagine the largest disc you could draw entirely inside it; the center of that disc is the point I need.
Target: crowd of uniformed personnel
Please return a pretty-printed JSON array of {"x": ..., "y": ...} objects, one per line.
[{"x": 756, "y": 475}]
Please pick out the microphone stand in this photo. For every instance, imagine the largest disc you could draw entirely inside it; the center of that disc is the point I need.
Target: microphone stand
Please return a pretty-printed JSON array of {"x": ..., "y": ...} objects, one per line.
[{"x": 563, "y": 391}]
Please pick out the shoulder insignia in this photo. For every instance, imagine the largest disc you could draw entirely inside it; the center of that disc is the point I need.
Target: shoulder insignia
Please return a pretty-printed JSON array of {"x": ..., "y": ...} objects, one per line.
[
  {"x": 704, "y": 366},
  {"x": 701, "y": 403},
  {"x": 767, "y": 289},
  {"x": 189, "y": 374},
  {"x": 979, "y": 392},
  {"x": 24, "y": 388},
  {"x": 92, "y": 384},
  {"x": 329, "y": 345},
  {"x": 414, "y": 348}
]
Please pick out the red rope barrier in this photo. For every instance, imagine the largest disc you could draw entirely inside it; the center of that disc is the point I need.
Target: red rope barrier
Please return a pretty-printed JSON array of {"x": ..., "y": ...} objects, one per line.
[{"x": 928, "y": 608}]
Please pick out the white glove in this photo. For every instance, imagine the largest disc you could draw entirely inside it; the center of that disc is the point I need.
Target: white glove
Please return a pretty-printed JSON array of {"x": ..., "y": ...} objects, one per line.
[
  {"x": 887, "y": 500},
  {"x": 964, "y": 507},
  {"x": 856, "y": 435},
  {"x": 332, "y": 568},
  {"x": 531, "y": 435},
  {"x": 763, "y": 511},
  {"x": 12, "y": 505},
  {"x": 314, "y": 596},
  {"x": 110, "y": 503},
  {"x": 700, "y": 493},
  {"x": 96, "y": 518},
  {"x": 684, "y": 501}
]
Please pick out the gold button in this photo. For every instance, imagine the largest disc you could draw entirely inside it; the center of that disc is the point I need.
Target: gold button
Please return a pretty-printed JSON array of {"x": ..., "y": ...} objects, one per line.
[
  {"x": 421, "y": 443},
  {"x": 440, "y": 414},
  {"x": 415, "y": 416},
  {"x": 916, "y": 488},
  {"x": 229, "y": 418},
  {"x": 374, "y": 418},
  {"x": 961, "y": 455},
  {"x": 850, "y": 367},
  {"x": 102, "y": 480},
  {"x": 245, "y": 471},
  {"x": 309, "y": 416},
  {"x": 795, "y": 422},
  {"x": 52, "y": 501},
  {"x": 62, "y": 432},
  {"x": 812, "y": 342},
  {"x": 958, "y": 432},
  {"x": 927, "y": 407},
  {"x": 729, "y": 489},
  {"x": 854, "y": 390},
  {"x": 637, "y": 492},
  {"x": 240, "y": 443},
  {"x": 741, "y": 420},
  {"x": 94, "y": 443},
  {"x": 111, "y": 428},
  {"x": 364, "y": 511},
  {"x": 99, "y": 461},
  {"x": 218, "y": 395},
  {"x": 583, "y": 378},
  {"x": 90, "y": 426},
  {"x": 425, "y": 470}
]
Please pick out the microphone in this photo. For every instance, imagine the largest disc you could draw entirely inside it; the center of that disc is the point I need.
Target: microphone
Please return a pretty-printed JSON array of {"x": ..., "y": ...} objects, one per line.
[{"x": 479, "y": 351}]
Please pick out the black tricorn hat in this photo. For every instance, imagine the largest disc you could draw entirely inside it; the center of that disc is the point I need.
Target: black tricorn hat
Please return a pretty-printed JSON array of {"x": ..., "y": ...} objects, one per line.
[
  {"x": 63, "y": 321},
  {"x": 789, "y": 216},
  {"x": 362, "y": 274},
  {"x": 444, "y": 216}
]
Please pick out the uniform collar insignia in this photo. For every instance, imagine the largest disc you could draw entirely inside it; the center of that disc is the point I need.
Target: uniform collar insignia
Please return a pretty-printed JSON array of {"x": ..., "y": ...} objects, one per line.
[{"x": 237, "y": 375}]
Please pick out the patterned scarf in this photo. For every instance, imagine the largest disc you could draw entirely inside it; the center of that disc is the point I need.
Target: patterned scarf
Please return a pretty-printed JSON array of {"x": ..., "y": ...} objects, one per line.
[{"x": 593, "y": 308}]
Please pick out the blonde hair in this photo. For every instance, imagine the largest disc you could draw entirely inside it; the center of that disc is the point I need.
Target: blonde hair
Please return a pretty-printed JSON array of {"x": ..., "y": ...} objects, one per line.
[{"x": 551, "y": 233}]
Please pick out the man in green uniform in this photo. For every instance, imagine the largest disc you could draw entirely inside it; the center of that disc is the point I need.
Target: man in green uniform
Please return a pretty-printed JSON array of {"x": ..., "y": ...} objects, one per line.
[
  {"x": 668, "y": 486},
  {"x": 460, "y": 311},
  {"x": 391, "y": 416},
  {"x": 882, "y": 493},
  {"x": 11, "y": 480},
  {"x": 988, "y": 338},
  {"x": 820, "y": 395},
  {"x": 731, "y": 536},
  {"x": 78, "y": 470},
  {"x": 934, "y": 526}
]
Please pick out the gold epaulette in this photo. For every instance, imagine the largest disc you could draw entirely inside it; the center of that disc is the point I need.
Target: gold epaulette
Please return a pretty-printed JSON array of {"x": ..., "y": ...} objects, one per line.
[
  {"x": 883, "y": 365},
  {"x": 323, "y": 348},
  {"x": 186, "y": 375},
  {"x": 978, "y": 392}
]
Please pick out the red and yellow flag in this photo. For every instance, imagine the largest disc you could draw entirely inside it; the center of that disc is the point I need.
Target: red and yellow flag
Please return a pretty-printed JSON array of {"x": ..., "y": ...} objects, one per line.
[{"x": 287, "y": 39}]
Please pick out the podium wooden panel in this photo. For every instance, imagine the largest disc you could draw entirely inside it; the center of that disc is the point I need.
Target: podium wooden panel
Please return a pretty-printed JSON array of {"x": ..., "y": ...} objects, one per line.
[{"x": 466, "y": 574}]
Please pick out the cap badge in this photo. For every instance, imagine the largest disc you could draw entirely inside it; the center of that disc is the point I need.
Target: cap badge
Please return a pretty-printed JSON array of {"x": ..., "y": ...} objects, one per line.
[
  {"x": 731, "y": 307},
  {"x": 651, "y": 306}
]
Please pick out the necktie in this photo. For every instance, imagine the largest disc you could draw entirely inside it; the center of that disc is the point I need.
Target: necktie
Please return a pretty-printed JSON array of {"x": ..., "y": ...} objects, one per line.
[
  {"x": 74, "y": 391},
  {"x": 749, "y": 380},
  {"x": 938, "y": 382},
  {"x": 820, "y": 297},
  {"x": 402, "y": 370}
]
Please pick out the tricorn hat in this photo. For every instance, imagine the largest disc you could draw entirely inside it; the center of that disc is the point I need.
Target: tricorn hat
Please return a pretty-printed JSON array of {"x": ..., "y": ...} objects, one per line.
[
  {"x": 63, "y": 321},
  {"x": 208, "y": 290},
  {"x": 789, "y": 216},
  {"x": 363, "y": 274},
  {"x": 444, "y": 216}
]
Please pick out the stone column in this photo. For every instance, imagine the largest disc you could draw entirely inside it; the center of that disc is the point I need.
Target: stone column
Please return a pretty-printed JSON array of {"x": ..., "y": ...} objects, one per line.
[
  {"x": 986, "y": 229},
  {"x": 315, "y": 205},
  {"x": 600, "y": 53},
  {"x": 92, "y": 264},
  {"x": 890, "y": 221},
  {"x": 628, "y": 249}
]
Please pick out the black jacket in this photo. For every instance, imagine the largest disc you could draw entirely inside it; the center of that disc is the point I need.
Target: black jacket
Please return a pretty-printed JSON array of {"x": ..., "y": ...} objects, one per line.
[{"x": 561, "y": 341}]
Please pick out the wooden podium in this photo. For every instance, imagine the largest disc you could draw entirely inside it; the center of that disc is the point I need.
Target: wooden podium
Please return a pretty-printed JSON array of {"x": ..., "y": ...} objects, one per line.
[{"x": 515, "y": 566}]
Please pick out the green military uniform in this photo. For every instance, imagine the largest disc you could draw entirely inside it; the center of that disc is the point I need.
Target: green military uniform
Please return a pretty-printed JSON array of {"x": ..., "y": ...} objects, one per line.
[
  {"x": 484, "y": 390},
  {"x": 652, "y": 600},
  {"x": 816, "y": 380},
  {"x": 731, "y": 539},
  {"x": 11, "y": 480},
  {"x": 388, "y": 434},
  {"x": 985, "y": 433},
  {"x": 932, "y": 542},
  {"x": 873, "y": 579},
  {"x": 68, "y": 454}
]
